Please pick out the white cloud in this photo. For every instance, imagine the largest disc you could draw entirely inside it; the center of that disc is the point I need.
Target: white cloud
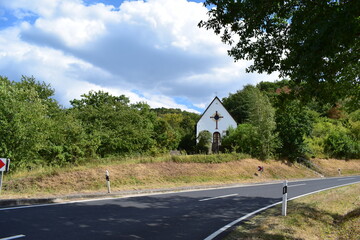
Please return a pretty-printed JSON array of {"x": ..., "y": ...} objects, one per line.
[
  {"x": 152, "y": 47},
  {"x": 23, "y": 8}
]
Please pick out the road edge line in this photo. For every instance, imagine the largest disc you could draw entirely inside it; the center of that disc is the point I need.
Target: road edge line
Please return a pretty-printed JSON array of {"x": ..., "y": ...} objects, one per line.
[
  {"x": 223, "y": 229},
  {"x": 343, "y": 185},
  {"x": 148, "y": 194},
  {"x": 13, "y": 237}
]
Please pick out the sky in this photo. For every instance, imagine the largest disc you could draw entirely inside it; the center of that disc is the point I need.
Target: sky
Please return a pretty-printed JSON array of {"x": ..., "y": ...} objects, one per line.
[{"x": 151, "y": 51}]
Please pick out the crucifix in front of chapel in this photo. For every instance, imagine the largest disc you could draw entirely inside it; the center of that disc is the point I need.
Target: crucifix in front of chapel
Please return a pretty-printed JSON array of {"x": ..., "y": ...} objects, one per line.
[{"x": 216, "y": 117}]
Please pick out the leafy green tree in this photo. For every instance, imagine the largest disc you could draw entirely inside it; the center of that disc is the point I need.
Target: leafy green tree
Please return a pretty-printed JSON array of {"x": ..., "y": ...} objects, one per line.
[
  {"x": 188, "y": 138},
  {"x": 273, "y": 89},
  {"x": 242, "y": 139},
  {"x": 262, "y": 117},
  {"x": 314, "y": 43},
  {"x": 182, "y": 124},
  {"x": 44, "y": 92},
  {"x": 281, "y": 89},
  {"x": 166, "y": 137},
  {"x": 355, "y": 115},
  {"x": 67, "y": 141},
  {"x": 354, "y": 121},
  {"x": 316, "y": 140},
  {"x": 238, "y": 103},
  {"x": 204, "y": 142},
  {"x": 258, "y": 117},
  {"x": 24, "y": 121},
  {"x": 119, "y": 128},
  {"x": 62, "y": 134},
  {"x": 340, "y": 144},
  {"x": 336, "y": 138},
  {"x": 293, "y": 123}
]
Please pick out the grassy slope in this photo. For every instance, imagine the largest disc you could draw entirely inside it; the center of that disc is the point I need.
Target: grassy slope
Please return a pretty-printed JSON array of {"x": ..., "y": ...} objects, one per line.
[
  {"x": 161, "y": 172},
  {"x": 333, "y": 214}
]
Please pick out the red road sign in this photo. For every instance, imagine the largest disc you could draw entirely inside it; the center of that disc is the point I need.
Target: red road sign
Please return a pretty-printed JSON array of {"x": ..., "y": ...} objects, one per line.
[
  {"x": 2, "y": 163},
  {"x": 260, "y": 168}
]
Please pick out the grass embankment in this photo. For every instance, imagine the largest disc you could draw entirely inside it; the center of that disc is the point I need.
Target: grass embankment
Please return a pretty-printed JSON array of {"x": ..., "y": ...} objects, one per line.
[
  {"x": 159, "y": 172},
  {"x": 329, "y": 167},
  {"x": 333, "y": 214}
]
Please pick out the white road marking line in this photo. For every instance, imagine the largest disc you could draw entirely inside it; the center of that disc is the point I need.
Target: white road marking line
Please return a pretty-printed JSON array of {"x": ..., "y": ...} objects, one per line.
[
  {"x": 343, "y": 179},
  {"x": 13, "y": 237},
  {"x": 223, "y": 229},
  {"x": 343, "y": 185},
  {"x": 134, "y": 196},
  {"x": 157, "y": 194},
  {"x": 224, "y": 196},
  {"x": 297, "y": 185}
]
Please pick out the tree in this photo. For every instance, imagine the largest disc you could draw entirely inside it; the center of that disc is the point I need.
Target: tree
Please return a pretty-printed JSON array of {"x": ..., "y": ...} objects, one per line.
[
  {"x": 117, "y": 127},
  {"x": 262, "y": 117},
  {"x": 24, "y": 120},
  {"x": 293, "y": 124},
  {"x": 340, "y": 144},
  {"x": 188, "y": 126},
  {"x": 273, "y": 89},
  {"x": 166, "y": 137},
  {"x": 43, "y": 90},
  {"x": 315, "y": 43},
  {"x": 256, "y": 116},
  {"x": 242, "y": 139},
  {"x": 182, "y": 125},
  {"x": 238, "y": 103},
  {"x": 204, "y": 142}
]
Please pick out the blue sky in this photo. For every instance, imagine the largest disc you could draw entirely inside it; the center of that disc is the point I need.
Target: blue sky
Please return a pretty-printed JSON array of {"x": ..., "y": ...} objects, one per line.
[{"x": 150, "y": 51}]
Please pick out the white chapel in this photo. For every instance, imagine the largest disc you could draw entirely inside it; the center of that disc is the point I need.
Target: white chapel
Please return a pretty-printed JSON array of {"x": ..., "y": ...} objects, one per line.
[{"x": 215, "y": 119}]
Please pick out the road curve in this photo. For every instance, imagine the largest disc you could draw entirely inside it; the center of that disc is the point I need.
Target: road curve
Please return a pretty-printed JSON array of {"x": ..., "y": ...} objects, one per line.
[{"x": 186, "y": 215}]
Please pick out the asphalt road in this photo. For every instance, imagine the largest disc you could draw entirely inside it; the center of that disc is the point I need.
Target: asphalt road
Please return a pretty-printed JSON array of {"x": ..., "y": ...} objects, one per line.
[{"x": 182, "y": 215}]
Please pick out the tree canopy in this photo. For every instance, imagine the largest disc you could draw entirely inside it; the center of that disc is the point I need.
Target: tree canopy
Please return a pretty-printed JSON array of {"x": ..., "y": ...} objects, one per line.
[
  {"x": 315, "y": 43},
  {"x": 35, "y": 130},
  {"x": 256, "y": 116}
]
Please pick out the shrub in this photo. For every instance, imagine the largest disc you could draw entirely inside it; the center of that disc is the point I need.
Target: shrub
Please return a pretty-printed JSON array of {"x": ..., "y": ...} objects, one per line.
[
  {"x": 339, "y": 144},
  {"x": 204, "y": 142},
  {"x": 242, "y": 139}
]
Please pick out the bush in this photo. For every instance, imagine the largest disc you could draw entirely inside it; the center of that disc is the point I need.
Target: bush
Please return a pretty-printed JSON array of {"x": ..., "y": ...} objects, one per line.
[
  {"x": 316, "y": 140},
  {"x": 256, "y": 135},
  {"x": 293, "y": 123},
  {"x": 204, "y": 142},
  {"x": 340, "y": 145},
  {"x": 242, "y": 140},
  {"x": 330, "y": 138}
]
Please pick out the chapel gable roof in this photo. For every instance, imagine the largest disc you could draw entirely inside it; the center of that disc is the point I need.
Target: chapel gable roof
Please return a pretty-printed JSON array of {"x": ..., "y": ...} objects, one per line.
[{"x": 215, "y": 98}]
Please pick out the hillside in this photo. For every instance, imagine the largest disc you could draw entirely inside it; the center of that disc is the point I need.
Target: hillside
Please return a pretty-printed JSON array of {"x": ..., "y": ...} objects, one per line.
[{"x": 164, "y": 172}]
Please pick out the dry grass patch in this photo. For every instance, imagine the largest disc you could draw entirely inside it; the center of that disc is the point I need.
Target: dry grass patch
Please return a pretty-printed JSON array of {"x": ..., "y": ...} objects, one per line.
[
  {"x": 329, "y": 167},
  {"x": 157, "y": 172},
  {"x": 333, "y": 214},
  {"x": 130, "y": 176}
]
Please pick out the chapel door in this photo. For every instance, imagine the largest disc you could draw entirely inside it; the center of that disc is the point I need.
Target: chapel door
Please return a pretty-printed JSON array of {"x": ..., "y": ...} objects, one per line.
[{"x": 216, "y": 142}]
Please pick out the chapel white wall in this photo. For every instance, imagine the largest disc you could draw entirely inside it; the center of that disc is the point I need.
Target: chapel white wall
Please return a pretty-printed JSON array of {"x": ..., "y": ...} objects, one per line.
[{"x": 209, "y": 124}]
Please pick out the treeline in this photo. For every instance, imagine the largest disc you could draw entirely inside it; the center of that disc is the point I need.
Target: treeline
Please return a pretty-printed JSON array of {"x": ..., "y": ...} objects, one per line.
[
  {"x": 36, "y": 130},
  {"x": 273, "y": 122}
]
